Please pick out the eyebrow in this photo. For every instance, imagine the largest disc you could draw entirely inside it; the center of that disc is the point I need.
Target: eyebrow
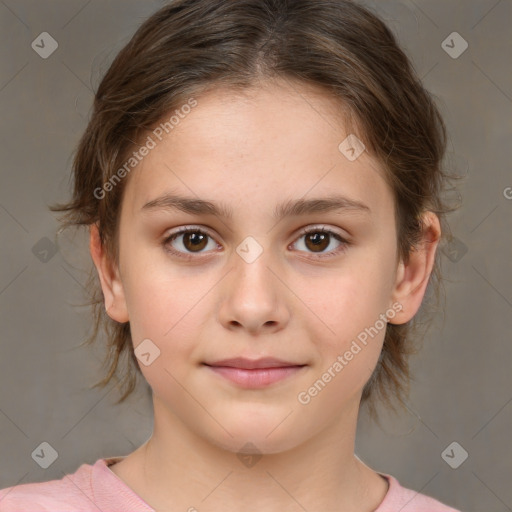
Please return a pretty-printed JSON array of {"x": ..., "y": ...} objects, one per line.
[{"x": 195, "y": 206}]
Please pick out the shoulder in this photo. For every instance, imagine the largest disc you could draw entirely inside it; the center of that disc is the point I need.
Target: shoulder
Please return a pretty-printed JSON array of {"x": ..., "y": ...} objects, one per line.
[
  {"x": 407, "y": 500},
  {"x": 91, "y": 488},
  {"x": 55, "y": 495}
]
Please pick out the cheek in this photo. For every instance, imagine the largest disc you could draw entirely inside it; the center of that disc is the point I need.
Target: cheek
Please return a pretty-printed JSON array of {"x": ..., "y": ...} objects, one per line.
[
  {"x": 157, "y": 296},
  {"x": 350, "y": 308},
  {"x": 168, "y": 307},
  {"x": 167, "y": 315},
  {"x": 349, "y": 350},
  {"x": 350, "y": 302}
]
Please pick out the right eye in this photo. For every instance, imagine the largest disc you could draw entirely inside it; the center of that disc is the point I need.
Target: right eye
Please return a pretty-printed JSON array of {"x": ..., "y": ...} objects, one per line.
[{"x": 190, "y": 240}]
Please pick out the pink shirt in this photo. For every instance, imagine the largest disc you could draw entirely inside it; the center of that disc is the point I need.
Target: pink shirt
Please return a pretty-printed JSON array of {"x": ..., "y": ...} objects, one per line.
[{"x": 95, "y": 488}]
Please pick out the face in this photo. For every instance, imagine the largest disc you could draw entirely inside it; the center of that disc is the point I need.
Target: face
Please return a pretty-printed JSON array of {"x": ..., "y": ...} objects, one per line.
[{"x": 246, "y": 282}]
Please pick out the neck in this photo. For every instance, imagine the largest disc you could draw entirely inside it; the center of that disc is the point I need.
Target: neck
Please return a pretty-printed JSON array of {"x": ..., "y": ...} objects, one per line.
[{"x": 179, "y": 470}]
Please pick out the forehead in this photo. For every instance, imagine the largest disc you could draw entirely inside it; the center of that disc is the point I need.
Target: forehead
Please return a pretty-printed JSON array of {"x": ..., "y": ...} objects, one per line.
[{"x": 257, "y": 147}]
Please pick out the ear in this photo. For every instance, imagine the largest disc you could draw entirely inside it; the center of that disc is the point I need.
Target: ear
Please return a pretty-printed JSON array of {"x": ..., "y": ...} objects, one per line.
[
  {"x": 111, "y": 284},
  {"x": 412, "y": 278}
]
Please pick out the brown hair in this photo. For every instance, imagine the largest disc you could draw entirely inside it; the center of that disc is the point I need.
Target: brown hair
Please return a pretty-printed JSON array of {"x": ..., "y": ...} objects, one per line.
[{"x": 191, "y": 46}]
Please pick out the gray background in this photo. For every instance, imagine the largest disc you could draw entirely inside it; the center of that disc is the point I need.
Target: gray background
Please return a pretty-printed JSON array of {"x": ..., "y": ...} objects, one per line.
[{"x": 462, "y": 390}]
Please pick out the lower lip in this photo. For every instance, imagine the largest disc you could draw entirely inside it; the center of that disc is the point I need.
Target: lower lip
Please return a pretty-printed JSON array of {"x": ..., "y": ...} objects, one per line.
[{"x": 255, "y": 378}]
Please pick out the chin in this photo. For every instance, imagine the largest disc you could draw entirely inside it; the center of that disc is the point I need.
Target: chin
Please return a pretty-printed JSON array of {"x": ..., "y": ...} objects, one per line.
[
  {"x": 261, "y": 437},
  {"x": 253, "y": 445}
]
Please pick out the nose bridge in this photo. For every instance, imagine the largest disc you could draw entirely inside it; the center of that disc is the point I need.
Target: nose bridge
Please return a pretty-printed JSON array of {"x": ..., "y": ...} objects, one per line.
[{"x": 252, "y": 260}]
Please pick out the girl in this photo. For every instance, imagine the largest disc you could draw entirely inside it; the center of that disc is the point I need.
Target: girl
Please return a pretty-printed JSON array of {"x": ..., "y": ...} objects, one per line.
[{"x": 261, "y": 183}]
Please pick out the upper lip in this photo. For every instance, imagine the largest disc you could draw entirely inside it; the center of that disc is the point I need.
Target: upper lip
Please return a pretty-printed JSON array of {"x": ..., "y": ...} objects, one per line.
[{"x": 249, "y": 364}]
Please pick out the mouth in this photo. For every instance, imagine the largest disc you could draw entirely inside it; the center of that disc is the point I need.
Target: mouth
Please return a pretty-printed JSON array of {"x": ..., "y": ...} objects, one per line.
[
  {"x": 252, "y": 364},
  {"x": 254, "y": 373}
]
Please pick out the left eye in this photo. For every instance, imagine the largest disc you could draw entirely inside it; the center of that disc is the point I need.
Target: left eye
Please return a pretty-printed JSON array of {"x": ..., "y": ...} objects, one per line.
[
  {"x": 319, "y": 240},
  {"x": 195, "y": 240}
]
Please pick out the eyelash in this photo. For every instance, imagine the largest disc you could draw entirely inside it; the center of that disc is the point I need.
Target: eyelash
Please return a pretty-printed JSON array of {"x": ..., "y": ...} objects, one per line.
[{"x": 306, "y": 231}]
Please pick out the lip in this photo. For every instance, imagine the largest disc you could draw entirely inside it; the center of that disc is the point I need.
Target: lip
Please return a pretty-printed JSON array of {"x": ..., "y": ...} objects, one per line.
[
  {"x": 251, "y": 364},
  {"x": 254, "y": 374}
]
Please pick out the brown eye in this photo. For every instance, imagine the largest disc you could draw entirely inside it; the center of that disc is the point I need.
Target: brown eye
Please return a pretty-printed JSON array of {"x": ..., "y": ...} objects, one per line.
[
  {"x": 317, "y": 240},
  {"x": 188, "y": 241},
  {"x": 194, "y": 240}
]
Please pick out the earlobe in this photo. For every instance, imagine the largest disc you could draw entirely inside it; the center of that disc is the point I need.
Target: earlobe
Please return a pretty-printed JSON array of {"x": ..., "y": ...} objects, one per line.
[
  {"x": 412, "y": 277},
  {"x": 111, "y": 284}
]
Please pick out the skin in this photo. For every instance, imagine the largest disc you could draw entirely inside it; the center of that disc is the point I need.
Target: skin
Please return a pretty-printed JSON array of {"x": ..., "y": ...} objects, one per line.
[{"x": 274, "y": 143}]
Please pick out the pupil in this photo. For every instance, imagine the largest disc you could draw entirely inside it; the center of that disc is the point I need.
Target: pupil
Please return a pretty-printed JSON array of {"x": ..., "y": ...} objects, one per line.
[
  {"x": 195, "y": 236},
  {"x": 318, "y": 239}
]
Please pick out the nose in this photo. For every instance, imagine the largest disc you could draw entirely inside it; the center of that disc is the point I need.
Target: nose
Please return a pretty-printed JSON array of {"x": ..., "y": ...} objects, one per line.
[{"x": 253, "y": 297}]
